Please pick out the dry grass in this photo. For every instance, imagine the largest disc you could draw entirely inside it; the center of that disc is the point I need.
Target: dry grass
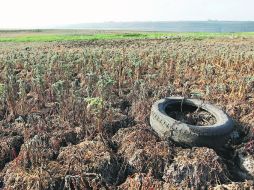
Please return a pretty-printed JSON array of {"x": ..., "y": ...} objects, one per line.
[{"x": 76, "y": 92}]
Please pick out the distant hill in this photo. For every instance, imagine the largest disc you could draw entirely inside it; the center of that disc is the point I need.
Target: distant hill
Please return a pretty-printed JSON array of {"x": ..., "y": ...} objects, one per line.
[{"x": 181, "y": 26}]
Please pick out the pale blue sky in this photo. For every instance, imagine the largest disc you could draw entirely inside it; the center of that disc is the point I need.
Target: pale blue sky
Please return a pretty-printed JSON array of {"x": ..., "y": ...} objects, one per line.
[{"x": 42, "y": 13}]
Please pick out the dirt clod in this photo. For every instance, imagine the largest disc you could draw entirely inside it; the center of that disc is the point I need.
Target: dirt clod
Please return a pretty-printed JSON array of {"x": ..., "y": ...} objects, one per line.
[
  {"x": 143, "y": 150},
  {"x": 197, "y": 167},
  {"x": 91, "y": 157}
]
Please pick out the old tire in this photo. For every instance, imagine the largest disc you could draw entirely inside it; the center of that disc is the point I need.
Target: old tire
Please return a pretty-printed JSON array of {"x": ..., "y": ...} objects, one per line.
[{"x": 167, "y": 127}]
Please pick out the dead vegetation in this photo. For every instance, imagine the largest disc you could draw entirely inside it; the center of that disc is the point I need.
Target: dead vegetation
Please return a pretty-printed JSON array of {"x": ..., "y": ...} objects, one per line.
[
  {"x": 235, "y": 186},
  {"x": 75, "y": 115},
  {"x": 146, "y": 155},
  {"x": 191, "y": 115},
  {"x": 196, "y": 168}
]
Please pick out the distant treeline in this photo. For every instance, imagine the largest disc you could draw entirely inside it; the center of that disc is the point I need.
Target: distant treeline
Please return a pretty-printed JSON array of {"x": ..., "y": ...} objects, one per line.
[
  {"x": 182, "y": 26},
  {"x": 19, "y": 30}
]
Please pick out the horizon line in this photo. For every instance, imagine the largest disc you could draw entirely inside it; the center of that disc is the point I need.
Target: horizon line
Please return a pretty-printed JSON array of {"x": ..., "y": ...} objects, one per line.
[{"x": 67, "y": 25}]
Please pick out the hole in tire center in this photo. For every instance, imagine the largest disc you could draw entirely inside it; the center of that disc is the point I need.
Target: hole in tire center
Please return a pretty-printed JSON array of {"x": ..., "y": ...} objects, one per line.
[{"x": 190, "y": 114}]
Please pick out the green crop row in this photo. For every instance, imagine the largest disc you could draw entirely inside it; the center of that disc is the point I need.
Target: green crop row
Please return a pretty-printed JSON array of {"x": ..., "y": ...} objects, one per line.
[{"x": 131, "y": 35}]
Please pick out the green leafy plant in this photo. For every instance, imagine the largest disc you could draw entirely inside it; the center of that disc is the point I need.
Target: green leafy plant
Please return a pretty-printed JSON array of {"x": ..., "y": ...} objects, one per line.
[{"x": 96, "y": 107}]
